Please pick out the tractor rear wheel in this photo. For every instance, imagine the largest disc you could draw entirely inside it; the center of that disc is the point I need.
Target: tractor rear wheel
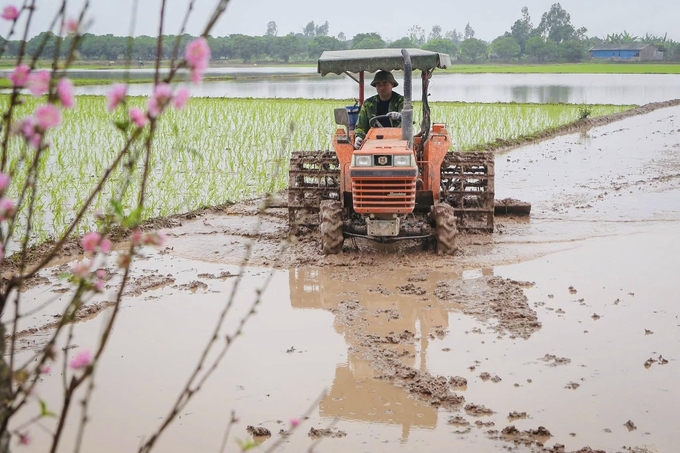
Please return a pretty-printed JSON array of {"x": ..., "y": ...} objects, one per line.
[
  {"x": 331, "y": 227},
  {"x": 446, "y": 231}
]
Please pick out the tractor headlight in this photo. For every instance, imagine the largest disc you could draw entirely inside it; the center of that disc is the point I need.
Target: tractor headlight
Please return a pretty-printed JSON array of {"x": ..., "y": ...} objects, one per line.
[
  {"x": 402, "y": 161},
  {"x": 362, "y": 161}
]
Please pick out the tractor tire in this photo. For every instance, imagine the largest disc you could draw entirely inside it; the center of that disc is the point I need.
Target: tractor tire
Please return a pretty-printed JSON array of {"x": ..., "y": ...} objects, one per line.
[
  {"x": 331, "y": 227},
  {"x": 445, "y": 227}
]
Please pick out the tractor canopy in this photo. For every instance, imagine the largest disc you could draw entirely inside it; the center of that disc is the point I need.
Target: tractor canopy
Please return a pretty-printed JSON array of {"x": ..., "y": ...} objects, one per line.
[{"x": 373, "y": 60}]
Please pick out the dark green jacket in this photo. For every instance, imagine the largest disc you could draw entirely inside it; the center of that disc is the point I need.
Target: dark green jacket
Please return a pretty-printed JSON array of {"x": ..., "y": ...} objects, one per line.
[{"x": 370, "y": 109}]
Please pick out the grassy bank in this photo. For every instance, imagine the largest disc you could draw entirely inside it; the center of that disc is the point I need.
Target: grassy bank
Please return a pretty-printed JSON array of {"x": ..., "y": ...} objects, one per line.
[
  {"x": 219, "y": 150},
  {"x": 573, "y": 68}
]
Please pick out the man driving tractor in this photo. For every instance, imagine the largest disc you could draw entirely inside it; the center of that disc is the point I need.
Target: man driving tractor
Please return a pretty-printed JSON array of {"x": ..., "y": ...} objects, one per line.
[{"x": 386, "y": 102}]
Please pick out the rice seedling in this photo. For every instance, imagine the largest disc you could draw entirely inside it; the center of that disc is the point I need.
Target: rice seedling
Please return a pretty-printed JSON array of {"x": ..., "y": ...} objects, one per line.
[{"x": 225, "y": 150}]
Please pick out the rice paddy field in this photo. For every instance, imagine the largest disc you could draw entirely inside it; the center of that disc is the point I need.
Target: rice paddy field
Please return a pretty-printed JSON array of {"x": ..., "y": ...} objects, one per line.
[{"x": 226, "y": 150}]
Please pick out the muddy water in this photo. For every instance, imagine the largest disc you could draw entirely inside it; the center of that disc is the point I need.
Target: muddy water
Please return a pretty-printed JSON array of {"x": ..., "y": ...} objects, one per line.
[{"x": 563, "y": 311}]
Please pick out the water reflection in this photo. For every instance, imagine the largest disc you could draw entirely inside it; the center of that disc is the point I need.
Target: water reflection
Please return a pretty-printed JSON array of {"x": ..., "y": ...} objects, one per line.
[
  {"x": 355, "y": 394},
  {"x": 538, "y": 88}
]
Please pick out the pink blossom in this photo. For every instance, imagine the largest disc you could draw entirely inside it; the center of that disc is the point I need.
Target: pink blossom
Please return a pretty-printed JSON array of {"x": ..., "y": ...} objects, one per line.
[
  {"x": 136, "y": 236},
  {"x": 101, "y": 273},
  {"x": 24, "y": 439},
  {"x": 154, "y": 108},
  {"x": 19, "y": 77},
  {"x": 197, "y": 54},
  {"x": 294, "y": 422},
  {"x": 7, "y": 209},
  {"x": 81, "y": 269},
  {"x": 196, "y": 76},
  {"x": 90, "y": 241},
  {"x": 157, "y": 239},
  {"x": 39, "y": 83},
  {"x": 46, "y": 369},
  {"x": 181, "y": 98},
  {"x": 99, "y": 285},
  {"x": 71, "y": 25},
  {"x": 162, "y": 92},
  {"x": 34, "y": 140},
  {"x": 4, "y": 181},
  {"x": 81, "y": 360},
  {"x": 115, "y": 96},
  {"x": 138, "y": 116},
  {"x": 48, "y": 116},
  {"x": 65, "y": 93},
  {"x": 10, "y": 12},
  {"x": 105, "y": 245}
]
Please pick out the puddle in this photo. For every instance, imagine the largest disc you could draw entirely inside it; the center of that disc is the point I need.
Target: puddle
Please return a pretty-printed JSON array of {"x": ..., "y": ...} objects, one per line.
[{"x": 557, "y": 316}]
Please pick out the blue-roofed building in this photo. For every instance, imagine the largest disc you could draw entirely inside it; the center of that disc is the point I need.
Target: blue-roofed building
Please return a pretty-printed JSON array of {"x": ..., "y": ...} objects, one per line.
[{"x": 626, "y": 52}]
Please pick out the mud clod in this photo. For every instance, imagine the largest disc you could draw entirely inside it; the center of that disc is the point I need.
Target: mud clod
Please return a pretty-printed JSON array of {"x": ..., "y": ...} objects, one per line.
[
  {"x": 478, "y": 410},
  {"x": 458, "y": 381},
  {"x": 315, "y": 433},
  {"x": 258, "y": 431},
  {"x": 517, "y": 415},
  {"x": 553, "y": 360},
  {"x": 412, "y": 289},
  {"x": 458, "y": 421},
  {"x": 572, "y": 386},
  {"x": 630, "y": 425}
]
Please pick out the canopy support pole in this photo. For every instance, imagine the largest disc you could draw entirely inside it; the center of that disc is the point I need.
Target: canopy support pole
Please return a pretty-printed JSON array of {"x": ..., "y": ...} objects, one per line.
[{"x": 361, "y": 87}]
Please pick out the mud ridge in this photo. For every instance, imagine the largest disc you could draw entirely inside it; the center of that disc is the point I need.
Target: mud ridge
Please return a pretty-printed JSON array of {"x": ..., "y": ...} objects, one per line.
[
  {"x": 493, "y": 297},
  {"x": 502, "y": 145}
]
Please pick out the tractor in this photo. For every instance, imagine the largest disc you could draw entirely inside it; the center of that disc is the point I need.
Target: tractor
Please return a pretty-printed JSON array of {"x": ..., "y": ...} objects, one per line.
[{"x": 397, "y": 185}]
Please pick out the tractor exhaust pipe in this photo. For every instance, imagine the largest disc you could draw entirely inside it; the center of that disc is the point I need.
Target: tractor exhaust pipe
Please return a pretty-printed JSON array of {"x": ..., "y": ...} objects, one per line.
[{"x": 407, "y": 111}]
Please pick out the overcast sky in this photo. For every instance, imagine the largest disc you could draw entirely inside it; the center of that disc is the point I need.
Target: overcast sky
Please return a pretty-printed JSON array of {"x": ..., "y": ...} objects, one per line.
[{"x": 390, "y": 18}]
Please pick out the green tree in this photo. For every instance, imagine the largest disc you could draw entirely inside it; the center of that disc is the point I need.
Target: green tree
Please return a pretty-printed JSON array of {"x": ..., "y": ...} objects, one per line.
[
  {"x": 540, "y": 49},
  {"x": 321, "y": 30},
  {"x": 521, "y": 29},
  {"x": 473, "y": 49},
  {"x": 272, "y": 29},
  {"x": 469, "y": 32},
  {"x": 362, "y": 36},
  {"x": 322, "y": 43},
  {"x": 310, "y": 30},
  {"x": 287, "y": 46},
  {"x": 402, "y": 43},
  {"x": 436, "y": 33},
  {"x": 573, "y": 51},
  {"x": 247, "y": 47},
  {"x": 417, "y": 35},
  {"x": 454, "y": 36},
  {"x": 556, "y": 25},
  {"x": 441, "y": 45},
  {"x": 506, "y": 48},
  {"x": 370, "y": 43}
]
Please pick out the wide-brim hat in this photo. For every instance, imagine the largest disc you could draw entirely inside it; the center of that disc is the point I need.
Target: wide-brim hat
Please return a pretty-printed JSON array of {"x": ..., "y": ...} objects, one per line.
[{"x": 384, "y": 76}]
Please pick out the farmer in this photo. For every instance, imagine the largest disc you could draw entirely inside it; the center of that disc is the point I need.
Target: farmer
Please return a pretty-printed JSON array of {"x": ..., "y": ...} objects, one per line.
[{"x": 384, "y": 102}]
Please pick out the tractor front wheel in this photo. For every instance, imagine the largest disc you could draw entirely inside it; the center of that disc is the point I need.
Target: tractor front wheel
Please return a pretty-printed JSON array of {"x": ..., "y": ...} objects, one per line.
[
  {"x": 445, "y": 223},
  {"x": 331, "y": 227}
]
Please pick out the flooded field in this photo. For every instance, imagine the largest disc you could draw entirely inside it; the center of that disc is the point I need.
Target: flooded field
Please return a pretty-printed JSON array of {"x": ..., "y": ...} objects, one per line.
[
  {"x": 621, "y": 89},
  {"x": 561, "y": 329}
]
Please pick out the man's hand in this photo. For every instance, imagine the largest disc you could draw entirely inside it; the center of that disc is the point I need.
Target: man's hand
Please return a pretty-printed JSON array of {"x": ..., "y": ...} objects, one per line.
[
  {"x": 357, "y": 142},
  {"x": 394, "y": 116}
]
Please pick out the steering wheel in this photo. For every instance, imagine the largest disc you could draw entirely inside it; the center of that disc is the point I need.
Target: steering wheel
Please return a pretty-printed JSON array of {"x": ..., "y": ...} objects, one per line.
[{"x": 375, "y": 121}]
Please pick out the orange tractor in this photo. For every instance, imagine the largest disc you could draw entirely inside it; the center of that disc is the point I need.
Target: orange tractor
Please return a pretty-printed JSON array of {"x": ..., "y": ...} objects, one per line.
[{"x": 397, "y": 185}]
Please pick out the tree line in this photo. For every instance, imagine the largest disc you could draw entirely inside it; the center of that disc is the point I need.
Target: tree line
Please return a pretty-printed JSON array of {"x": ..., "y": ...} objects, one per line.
[{"x": 553, "y": 39}]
